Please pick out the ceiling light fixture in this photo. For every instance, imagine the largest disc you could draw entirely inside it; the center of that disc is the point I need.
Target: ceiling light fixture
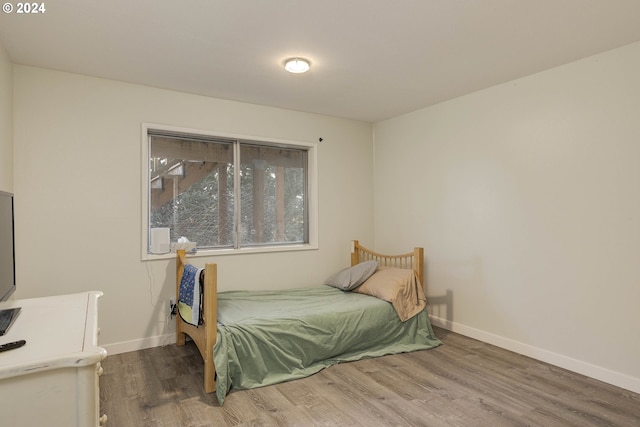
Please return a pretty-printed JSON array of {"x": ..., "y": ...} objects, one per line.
[{"x": 297, "y": 65}]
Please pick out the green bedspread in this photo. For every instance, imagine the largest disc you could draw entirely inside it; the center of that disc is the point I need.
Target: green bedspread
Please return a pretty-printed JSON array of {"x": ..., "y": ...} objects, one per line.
[{"x": 267, "y": 337}]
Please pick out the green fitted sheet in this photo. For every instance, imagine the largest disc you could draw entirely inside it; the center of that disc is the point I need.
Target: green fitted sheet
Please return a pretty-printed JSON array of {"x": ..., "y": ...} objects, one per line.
[{"x": 267, "y": 337}]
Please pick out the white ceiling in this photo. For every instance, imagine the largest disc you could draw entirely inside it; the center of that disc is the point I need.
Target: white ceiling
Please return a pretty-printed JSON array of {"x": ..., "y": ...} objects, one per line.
[{"x": 371, "y": 59}]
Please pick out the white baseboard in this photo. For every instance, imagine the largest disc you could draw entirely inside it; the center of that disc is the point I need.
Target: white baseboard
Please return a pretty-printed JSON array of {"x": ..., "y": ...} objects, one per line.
[
  {"x": 602, "y": 374},
  {"x": 141, "y": 344}
]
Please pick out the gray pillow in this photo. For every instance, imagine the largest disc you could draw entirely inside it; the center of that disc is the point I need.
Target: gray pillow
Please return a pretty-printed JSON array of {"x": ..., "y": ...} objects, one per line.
[{"x": 352, "y": 277}]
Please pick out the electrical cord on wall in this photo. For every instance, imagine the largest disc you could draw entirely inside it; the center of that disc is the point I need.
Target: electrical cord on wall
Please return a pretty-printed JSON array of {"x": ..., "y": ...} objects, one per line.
[
  {"x": 150, "y": 276},
  {"x": 168, "y": 331}
]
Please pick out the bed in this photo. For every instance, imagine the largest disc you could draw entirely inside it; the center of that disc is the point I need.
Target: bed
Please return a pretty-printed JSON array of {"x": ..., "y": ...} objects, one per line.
[{"x": 250, "y": 339}]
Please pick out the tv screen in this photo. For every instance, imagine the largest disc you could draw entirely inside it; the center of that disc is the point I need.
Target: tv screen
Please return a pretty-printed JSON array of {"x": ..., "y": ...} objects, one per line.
[{"x": 7, "y": 256}]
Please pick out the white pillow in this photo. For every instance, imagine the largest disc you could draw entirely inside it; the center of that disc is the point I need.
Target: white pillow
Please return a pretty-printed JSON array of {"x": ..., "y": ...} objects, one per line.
[{"x": 352, "y": 277}]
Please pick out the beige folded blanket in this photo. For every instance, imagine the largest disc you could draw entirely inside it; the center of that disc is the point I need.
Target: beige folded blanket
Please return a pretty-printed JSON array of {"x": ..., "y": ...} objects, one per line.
[{"x": 400, "y": 287}]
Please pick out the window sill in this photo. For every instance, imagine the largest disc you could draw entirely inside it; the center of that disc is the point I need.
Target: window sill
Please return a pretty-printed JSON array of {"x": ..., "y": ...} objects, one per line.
[{"x": 241, "y": 251}]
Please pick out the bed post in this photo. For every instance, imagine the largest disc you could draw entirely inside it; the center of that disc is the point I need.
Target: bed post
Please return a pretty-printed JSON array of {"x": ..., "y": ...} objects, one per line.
[
  {"x": 210, "y": 314},
  {"x": 418, "y": 264},
  {"x": 180, "y": 335},
  {"x": 355, "y": 252}
]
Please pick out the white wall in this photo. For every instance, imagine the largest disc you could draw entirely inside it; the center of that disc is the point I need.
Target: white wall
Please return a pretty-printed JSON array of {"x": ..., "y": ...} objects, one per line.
[
  {"x": 78, "y": 173},
  {"x": 526, "y": 197},
  {"x": 6, "y": 122}
]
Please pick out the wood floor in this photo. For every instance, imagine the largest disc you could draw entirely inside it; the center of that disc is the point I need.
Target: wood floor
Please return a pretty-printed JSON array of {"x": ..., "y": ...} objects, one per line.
[{"x": 461, "y": 383}]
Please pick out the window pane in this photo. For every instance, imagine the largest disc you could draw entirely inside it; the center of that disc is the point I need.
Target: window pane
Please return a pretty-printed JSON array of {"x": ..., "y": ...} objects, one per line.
[
  {"x": 191, "y": 189},
  {"x": 273, "y": 196}
]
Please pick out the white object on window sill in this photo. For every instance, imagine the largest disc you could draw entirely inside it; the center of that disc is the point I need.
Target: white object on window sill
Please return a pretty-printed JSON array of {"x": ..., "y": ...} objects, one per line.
[{"x": 184, "y": 244}]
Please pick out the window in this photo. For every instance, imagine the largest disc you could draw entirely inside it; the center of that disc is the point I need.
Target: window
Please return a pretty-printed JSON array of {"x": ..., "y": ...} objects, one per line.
[{"x": 228, "y": 193}]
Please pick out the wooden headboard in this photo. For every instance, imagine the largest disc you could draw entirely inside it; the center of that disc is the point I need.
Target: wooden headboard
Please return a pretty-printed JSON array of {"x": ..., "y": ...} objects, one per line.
[{"x": 413, "y": 259}]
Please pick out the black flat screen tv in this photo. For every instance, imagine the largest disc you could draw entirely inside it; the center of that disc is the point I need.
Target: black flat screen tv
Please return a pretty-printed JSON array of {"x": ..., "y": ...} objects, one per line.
[
  {"x": 7, "y": 247},
  {"x": 7, "y": 262}
]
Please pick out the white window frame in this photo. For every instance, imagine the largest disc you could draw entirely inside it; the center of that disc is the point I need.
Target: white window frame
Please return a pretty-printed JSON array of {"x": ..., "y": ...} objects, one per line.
[{"x": 312, "y": 153}]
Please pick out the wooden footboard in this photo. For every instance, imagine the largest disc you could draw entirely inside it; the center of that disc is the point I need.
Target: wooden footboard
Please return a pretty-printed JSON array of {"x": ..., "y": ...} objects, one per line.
[{"x": 204, "y": 335}]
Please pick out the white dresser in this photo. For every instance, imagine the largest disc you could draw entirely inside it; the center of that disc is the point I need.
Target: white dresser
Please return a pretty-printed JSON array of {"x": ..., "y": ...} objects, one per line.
[{"x": 53, "y": 379}]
